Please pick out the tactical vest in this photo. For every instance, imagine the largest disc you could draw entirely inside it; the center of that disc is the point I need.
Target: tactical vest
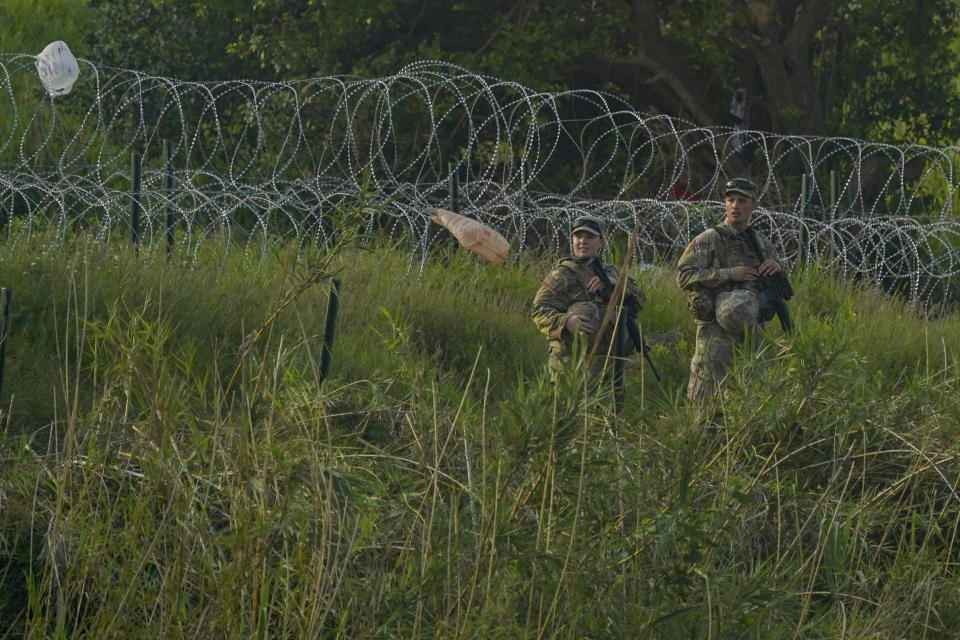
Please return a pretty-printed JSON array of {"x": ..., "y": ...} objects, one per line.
[
  {"x": 736, "y": 249},
  {"x": 733, "y": 250},
  {"x": 583, "y": 274}
]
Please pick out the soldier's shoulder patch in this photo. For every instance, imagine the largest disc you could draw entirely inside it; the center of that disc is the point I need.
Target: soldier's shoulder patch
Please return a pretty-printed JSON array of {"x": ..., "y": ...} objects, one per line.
[
  {"x": 705, "y": 239},
  {"x": 550, "y": 281}
]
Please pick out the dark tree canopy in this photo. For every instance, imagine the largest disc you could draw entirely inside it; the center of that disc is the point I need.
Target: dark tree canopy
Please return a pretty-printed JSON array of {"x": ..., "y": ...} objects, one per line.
[{"x": 865, "y": 68}]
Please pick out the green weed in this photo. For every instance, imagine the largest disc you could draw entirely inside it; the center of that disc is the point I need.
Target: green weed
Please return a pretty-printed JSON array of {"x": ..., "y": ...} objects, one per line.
[{"x": 173, "y": 468}]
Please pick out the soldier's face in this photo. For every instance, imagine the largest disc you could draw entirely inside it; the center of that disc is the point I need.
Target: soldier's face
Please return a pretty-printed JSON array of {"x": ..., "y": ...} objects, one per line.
[
  {"x": 739, "y": 207},
  {"x": 586, "y": 245}
]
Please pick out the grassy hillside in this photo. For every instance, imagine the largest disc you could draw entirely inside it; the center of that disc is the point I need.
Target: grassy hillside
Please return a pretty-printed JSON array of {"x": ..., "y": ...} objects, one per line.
[{"x": 171, "y": 468}]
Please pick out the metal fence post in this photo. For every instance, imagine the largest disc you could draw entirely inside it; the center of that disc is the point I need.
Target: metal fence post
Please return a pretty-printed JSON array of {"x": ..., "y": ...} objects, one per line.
[
  {"x": 834, "y": 206},
  {"x": 168, "y": 188},
  {"x": 834, "y": 192},
  {"x": 454, "y": 189},
  {"x": 136, "y": 163},
  {"x": 524, "y": 179},
  {"x": 5, "y": 295},
  {"x": 804, "y": 243},
  {"x": 333, "y": 304}
]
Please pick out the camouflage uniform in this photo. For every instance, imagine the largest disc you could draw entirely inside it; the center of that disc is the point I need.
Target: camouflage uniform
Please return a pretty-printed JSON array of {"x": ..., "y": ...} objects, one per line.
[
  {"x": 704, "y": 272},
  {"x": 564, "y": 293}
]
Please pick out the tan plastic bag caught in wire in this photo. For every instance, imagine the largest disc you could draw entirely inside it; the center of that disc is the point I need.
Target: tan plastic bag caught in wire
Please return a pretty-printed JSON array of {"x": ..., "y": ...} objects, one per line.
[{"x": 474, "y": 235}]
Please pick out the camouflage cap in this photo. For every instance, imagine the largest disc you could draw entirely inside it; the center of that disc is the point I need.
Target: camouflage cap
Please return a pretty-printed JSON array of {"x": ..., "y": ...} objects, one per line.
[
  {"x": 742, "y": 186},
  {"x": 591, "y": 224},
  {"x": 737, "y": 310}
]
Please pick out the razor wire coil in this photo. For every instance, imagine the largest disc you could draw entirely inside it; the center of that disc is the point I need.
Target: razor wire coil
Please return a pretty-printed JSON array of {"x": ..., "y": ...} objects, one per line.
[{"x": 260, "y": 161}]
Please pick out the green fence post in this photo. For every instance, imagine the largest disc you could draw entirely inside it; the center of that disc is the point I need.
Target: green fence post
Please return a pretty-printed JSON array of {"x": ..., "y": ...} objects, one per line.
[
  {"x": 834, "y": 192},
  {"x": 168, "y": 189},
  {"x": 454, "y": 189},
  {"x": 804, "y": 245},
  {"x": 326, "y": 354},
  {"x": 834, "y": 206},
  {"x": 524, "y": 178},
  {"x": 5, "y": 295},
  {"x": 136, "y": 166}
]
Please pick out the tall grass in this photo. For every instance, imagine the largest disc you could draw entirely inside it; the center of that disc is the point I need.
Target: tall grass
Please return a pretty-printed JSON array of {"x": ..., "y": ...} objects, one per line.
[{"x": 168, "y": 472}]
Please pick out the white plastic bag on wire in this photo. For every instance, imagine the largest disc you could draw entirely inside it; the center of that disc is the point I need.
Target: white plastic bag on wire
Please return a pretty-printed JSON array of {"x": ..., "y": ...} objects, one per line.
[{"x": 57, "y": 68}]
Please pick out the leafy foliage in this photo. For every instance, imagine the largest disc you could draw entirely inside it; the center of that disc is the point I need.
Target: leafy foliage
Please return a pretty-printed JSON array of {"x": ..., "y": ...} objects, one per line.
[
  {"x": 27, "y": 26},
  {"x": 868, "y": 69}
]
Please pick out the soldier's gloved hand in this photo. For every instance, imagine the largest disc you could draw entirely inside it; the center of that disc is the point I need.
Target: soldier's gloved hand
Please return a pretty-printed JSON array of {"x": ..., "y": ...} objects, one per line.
[{"x": 577, "y": 323}]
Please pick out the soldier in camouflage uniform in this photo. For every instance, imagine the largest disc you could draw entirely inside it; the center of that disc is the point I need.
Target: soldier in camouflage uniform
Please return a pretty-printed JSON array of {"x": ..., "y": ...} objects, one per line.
[
  {"x": 718, "y": 271},
  {"x": 569, "y": 300}
]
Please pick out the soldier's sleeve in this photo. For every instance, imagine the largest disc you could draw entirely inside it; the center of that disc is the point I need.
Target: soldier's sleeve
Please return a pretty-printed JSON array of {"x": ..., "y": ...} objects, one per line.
[
  {"x": 695, "y": 267},
  {"x": 550, "y": 304}
]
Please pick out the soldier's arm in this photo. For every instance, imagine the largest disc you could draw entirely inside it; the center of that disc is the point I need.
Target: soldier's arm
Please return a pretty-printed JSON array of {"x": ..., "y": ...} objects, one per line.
[
  {"x": 695, "y": 268},
  {"x": 550, "y": 306}
]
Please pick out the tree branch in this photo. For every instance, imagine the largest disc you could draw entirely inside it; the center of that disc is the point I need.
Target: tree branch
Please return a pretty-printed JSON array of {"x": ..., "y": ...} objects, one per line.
[{"x": 650, "y": 70}]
